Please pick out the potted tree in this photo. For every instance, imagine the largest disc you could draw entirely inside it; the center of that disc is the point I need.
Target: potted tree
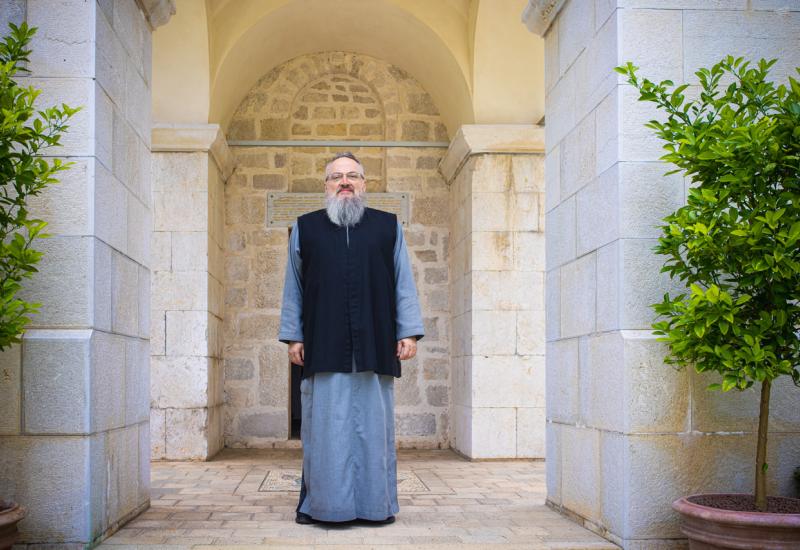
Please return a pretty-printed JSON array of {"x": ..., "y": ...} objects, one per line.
[
  {"x": 24, "y": 133},
  {"x": 736, "y": 247}
]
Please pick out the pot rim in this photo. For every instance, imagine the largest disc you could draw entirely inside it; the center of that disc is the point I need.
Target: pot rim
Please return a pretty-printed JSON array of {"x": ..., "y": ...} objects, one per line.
[{"x": 734, "y": 517}]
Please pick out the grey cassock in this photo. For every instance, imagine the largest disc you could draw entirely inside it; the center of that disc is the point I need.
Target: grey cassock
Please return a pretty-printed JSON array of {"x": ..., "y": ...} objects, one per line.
[{"x": 347, "y": 419}]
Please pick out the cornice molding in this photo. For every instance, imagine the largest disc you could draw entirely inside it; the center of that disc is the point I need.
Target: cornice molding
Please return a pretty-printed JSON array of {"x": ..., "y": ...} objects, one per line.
[
  {"x": 157, "y": 12},
  {"x": 472, "y": 139},
  {"x": 538, "y": 15},
  {"x": 190, "y": 138}
]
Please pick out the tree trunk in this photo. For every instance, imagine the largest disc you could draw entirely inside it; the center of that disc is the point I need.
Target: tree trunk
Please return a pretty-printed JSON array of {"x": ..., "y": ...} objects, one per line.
[{"x": 761, "y": 448}]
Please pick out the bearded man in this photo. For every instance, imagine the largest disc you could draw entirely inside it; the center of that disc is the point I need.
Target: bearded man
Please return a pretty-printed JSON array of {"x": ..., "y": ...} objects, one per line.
[{"x": 350, "y": 314}]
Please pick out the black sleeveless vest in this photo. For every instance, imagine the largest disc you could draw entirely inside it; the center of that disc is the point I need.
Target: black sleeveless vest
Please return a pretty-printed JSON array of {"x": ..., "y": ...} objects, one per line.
[{"x": 349, "y": 308}]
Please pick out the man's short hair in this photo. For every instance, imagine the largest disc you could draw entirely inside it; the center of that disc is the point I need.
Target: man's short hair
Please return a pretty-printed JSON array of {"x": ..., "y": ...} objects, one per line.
[{"x": 345, "y": 154}]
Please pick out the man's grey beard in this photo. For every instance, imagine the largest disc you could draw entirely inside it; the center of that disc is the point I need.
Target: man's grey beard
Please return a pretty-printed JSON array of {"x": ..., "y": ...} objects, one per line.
[{"x": 345, "y": 211}]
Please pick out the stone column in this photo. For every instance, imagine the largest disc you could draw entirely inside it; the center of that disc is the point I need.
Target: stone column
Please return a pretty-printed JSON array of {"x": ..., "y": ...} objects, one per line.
[
  {"x": 191, "y": 163},
  {"x": 74, "y": 426},
  {"x": 626, "y": 434},
  {"x": 496, "y": 179}
]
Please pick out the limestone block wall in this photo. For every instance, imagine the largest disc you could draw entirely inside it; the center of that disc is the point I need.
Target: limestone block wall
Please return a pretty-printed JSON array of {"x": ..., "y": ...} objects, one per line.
[
  {"x": 497, "y": 293},
  {"x": 330, "y": 96},
  {"x": 187, "y": 301},
  {"x": 627, "y": 435},
  {"x": 74, "y": 398}
]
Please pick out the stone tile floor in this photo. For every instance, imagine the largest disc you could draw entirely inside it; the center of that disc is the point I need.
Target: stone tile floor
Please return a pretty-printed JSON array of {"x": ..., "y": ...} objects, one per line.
[{"x": 239, "y": 500}]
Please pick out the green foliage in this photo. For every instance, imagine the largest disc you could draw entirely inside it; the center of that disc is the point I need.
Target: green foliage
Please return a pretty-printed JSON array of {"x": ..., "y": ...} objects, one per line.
[
  {"x": 735, "y": 243},
  {"x": 24, "y": 133}
]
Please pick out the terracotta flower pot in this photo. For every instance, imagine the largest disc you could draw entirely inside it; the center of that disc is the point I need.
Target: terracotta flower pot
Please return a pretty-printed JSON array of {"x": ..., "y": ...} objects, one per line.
[
  {"x": 710, "y": 527},
  {"x": 10, "y": 514}
]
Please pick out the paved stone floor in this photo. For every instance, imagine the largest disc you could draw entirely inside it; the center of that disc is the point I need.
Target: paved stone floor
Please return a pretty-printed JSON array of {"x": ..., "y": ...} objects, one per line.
[{"x": 247, "y": 498}]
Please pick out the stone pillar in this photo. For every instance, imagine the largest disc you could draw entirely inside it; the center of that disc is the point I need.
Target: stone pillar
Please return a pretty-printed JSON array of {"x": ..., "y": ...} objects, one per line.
[
  {"x": 496, "y": 179},
  {"x": 74, "y": 446},
  {"x": 190, "y": 166},
  {"x": 627, "y": 435}
]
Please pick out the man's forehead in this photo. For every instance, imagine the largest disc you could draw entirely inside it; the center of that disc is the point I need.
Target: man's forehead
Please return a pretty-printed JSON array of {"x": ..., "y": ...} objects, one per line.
[{"x": 344, "y": 164}]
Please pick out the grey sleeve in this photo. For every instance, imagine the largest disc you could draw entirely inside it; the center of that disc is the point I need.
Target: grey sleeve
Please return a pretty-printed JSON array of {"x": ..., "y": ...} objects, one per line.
[
  {"x": 409, "y": 316},
  {"x": 291, "y": 329}
]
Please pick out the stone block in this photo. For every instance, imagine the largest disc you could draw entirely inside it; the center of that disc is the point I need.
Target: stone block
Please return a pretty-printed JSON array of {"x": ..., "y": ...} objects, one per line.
[
  {"x": 494, "y": 432},
  {"x": 577, "y": 157},
  {"x": 580, "y": 471},
  {"x": 65, "y": 205},
  {"x": 491, "y": 174},
  {"x": 161, "y": 251},
  {"x": 137, "y": 102},
  {"x": 492, "y": 250},
  {"x": 710, "y": 35},
  {"x": 562, "y": 381},
  {"x": 598, "y": 212},
  {"x": 576, "y": 28},
  {"x": 258, "y": 327},
  {"x": 560, "y": 109},
  {"x": 530, "y": 331},
  {"x": 660, "y": 56},
  {"x": 649, "y": 196},
  {"x": 491, "y": 212},
  {"x": 462, "y": 381},
  {"x": 183, "y": 290},
  {"x": 140, "y": 224},
  {"x": 553, "y": 460},
  {"x": 613, "y": 470},
  {"x": 124, "y": 295},
  {"x": 144, "y": 462},
  {"x": 180, "y": 172},
  {"x": 552, "y": 178},
  {"x": 491, "y": 332},
  {"x": 560, "y": 245},
  {"x": 158, "y": 434},
  {"x": 130, "y": 157},
  {"x": 527, "y": 173},
  {"x": 121, "y": 469},
  {"x": 109, "y": 58},
  {"x": 273, "y": 375},
  {"x": 529, "y": 251},
  {"x": 129, "y": 23},
  {"x": 735, "y": 411},
  {"x": 525, "y": 212},
  {"x": 508, "y": 381},
  {"x": 552, "y": 71},
  {"x": 63, "y": 46},
  {"x": 179, "y": 381},
  {"x": 137, "y": 381},
  {"x": 13, "y": 11},
  {"x": 595, "y": 68},
  {"x": 437, "y": 396},
  {"x": 111, "y": 209},
  {"x": 50, "y": 475},
  {"x": 158, "y": 333},
  {"x": 608, "y": 287},
  {"x": 530, "y": 432},
  {"x": 107, "y": 385},
  {"x": 415, "y": 424},
  {"x": 636, "y": 142},
  {"x": 266, "y": 424},
  {"x": 607, "y": 132},
  {"x": 552, "y": 305},
  {"x": 55, "y": 388},
  {"x": 462, "y": 429},
  {"x": 188, "y": 333},
  {"x": 63, "y": 283},
  {"x": 103, "y": 277},
  {"x": 641, "y": 283},
  {"x": 509, "y": 290},
  {"x": 187, "y": 434},
  {"x": 180, "y": 211},
  {"x": 144, "y": 302},
  {"x": 10, "y": 390},
  {"x": 578, "y": 284}
]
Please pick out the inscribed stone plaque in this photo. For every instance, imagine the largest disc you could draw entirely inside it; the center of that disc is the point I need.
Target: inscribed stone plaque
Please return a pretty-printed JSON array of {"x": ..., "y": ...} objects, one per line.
[{"x": 284, "y": 208}]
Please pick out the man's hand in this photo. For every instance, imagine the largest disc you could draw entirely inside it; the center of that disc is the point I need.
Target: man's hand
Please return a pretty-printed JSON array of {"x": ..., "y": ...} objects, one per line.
[
  {"x": 406, "y": 348},
  {"x": 296, "y": 353}
]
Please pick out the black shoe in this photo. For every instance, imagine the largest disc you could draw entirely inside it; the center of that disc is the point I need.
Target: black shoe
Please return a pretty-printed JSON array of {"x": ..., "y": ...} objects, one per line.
[{"x": 304, "y": 519}]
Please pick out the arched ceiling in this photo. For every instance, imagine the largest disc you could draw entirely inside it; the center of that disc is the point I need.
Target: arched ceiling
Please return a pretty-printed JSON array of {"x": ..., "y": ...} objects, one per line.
[{"x": 441, "y": 43}]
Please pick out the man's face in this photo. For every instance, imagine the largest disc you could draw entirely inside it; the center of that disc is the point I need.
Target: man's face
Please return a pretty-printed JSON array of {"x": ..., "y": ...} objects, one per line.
[{"x": 345, "y": 187}]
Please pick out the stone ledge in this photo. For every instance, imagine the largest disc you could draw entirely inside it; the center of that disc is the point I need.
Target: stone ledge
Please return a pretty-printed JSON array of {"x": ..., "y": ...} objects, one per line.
[
  {"x": 187, "y": 138},
  {"x": 538, "y": 15},
  {"x": 472, "y": 139}
]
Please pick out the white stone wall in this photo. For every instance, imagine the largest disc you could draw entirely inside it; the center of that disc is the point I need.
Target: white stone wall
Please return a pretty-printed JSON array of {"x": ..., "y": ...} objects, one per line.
[
  {"x": 187, "y": 305},
  {"x": 497, "y": 297},
  {"x": 627, "y": 435},
  {"x": 74, "y": 443}
]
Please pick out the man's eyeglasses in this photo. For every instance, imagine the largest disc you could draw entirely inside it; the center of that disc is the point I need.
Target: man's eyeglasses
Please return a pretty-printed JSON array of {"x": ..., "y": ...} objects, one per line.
[{"x": 336, "y": 177}]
